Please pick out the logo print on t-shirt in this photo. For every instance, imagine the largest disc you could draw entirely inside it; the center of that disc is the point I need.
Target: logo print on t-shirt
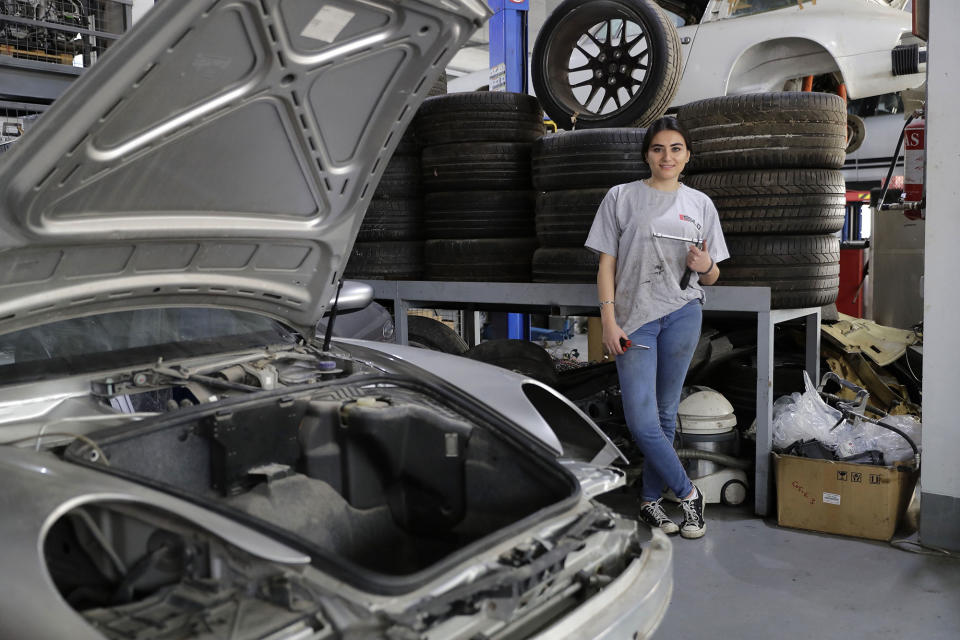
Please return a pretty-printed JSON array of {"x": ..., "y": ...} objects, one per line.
[{"x": 687, "y": 218}]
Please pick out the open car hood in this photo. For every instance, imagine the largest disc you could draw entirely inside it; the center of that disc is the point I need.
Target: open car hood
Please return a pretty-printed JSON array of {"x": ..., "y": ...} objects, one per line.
[{"x": 221, "y": 154}]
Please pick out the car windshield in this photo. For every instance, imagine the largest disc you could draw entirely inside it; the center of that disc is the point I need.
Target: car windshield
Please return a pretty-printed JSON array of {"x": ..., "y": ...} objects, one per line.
[{"x": 125, "y": 338}]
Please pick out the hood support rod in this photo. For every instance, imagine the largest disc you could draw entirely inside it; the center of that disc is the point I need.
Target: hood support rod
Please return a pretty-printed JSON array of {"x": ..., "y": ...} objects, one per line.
[{"x": 333, "y": 317}]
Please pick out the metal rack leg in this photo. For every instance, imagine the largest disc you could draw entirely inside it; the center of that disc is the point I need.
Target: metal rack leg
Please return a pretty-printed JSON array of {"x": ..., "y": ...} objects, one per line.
[
  {"x": 762, "y": 479},
  {"x": 400, "y": 325},
  {"x": 813, "y": 345},
  {"x": 470, "y": 327}
]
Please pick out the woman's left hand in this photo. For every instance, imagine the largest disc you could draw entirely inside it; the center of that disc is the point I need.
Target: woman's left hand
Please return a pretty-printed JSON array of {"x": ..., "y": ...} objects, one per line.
[{"x": 699, "y": 260}]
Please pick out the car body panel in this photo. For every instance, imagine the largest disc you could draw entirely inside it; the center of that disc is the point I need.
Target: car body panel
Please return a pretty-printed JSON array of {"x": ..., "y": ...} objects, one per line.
[
  {"x": 213, "y": 154},
  {"x": 37, "y": 489},
  {"x": 650, "y": 575},
  {"x": 31, "y": 606},
  {"x": 759, "y": 52},
  {"x": 595, "y": 480},
  {"x": 501, "y": 389}
]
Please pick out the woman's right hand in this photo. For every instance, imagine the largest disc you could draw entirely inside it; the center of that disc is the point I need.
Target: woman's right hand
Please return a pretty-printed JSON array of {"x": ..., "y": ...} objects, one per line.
[{"x": 612, "y": 334}]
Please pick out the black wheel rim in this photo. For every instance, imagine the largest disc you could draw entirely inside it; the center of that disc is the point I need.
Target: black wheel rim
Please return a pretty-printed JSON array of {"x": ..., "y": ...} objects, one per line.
[{"x": 599, "y": 59}]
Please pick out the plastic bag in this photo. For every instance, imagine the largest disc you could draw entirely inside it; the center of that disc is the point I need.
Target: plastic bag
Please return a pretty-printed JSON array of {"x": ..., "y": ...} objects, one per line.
[
  {"x": 804, "y": 416},
  {"x": 864, "y": 436}
]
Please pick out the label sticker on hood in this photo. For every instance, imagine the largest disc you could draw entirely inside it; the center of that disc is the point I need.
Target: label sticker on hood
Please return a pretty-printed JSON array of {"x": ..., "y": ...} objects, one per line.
[{"x": 327, "y": 24}]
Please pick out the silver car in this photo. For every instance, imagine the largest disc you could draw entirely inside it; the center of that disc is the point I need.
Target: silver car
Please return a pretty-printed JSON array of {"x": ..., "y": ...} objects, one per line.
[{"x": 182, "y": 457}]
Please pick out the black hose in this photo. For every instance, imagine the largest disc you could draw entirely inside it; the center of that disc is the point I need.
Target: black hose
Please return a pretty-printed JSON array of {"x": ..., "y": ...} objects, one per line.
[
  {"x": 913, "y": 445},
  {"x": 333, "y": 315},
  {"x": 850, "y": 414},
  {"x": 893, "y": 162}
]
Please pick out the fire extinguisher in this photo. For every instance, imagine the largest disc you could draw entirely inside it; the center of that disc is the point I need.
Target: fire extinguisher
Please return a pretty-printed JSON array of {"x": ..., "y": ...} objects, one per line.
[{"x": 914, "y": 157}]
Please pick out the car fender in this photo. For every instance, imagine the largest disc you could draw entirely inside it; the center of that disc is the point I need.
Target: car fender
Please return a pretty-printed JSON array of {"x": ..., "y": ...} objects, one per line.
[
  {"x": 765, "y": 66},
  {"x": 541, "y": 411},
  {"x": 37, "y": 490},
  {"x": 757, "y": 53}
]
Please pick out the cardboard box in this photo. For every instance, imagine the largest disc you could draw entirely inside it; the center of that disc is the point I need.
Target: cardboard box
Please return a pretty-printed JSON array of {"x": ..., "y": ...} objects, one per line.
[{"x": 860, "y": 500}]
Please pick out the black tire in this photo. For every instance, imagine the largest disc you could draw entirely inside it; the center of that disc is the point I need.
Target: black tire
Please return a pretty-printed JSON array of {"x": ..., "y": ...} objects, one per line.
[
  {"x": 479, "y": 214},
  {"x": 565, "y": 265},
  {"x": 428, "y": 333},
  {"x": 521, "y": 356},
  {"x": 766, "y": 131},
  {"x": 385, "y": 261},
  {"x": 493, "y": 260},
  {"x": 392, "y": 220},
  {"x": 636, "y": 101},
  {"x": 487, "y": 166},
  {"x": 564, "y": 217},
  {"x": 777, "y": 201},
  {"x": 801, "y": 271},
  {"x": 401, "y": 178},
  {"x": 590, "y": 158},
  {"x": 480, "y": 116},
  {"x": 408, "y": 145}
]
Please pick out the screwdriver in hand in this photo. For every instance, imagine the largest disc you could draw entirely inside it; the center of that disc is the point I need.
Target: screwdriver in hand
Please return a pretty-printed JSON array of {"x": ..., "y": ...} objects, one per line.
[{"x": 628, "y": 344}]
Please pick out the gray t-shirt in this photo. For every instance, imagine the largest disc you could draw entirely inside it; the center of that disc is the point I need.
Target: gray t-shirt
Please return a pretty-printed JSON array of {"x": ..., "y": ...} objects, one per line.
[{"x": 649, "y": 269}]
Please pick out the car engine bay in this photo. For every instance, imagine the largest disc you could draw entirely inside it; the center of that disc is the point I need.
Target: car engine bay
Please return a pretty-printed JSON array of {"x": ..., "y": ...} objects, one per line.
[{"x": 384, "y": 481}]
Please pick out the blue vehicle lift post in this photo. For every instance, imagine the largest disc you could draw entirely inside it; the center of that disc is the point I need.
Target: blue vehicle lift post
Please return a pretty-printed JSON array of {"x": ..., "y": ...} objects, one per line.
[{"x": 508, "y": 72}]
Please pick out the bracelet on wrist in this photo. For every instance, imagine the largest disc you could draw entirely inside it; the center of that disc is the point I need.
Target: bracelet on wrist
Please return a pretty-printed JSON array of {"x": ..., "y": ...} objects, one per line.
[
  {"x": 603, "y": 302},
  {"x": 709, "y": 269}
]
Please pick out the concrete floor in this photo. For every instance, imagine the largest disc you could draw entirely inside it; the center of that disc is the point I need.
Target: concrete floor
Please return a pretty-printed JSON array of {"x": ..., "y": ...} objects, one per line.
[{"x": 750, "y": 579}]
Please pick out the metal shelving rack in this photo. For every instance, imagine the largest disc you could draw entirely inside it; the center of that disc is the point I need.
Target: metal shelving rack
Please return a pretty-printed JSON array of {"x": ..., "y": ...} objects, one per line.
[
  {"x": 40, "y": 44},
  {"x": 581, "y": 299}
]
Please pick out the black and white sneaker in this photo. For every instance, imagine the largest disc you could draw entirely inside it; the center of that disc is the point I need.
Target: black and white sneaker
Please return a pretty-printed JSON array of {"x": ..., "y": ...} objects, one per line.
[
  {"x": 654, "y": 515},
  {"x": 693, "y": 525}
]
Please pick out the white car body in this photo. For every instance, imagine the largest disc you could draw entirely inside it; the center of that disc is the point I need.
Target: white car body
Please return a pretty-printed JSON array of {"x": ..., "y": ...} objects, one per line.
[{"x": 729, "y": 53}]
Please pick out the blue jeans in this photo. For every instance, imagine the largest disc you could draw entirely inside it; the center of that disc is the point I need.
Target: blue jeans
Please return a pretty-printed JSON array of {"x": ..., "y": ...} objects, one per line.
[{"x": 651, "y": 382}]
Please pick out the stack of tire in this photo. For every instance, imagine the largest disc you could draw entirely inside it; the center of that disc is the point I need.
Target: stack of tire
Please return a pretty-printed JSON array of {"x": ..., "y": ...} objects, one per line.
[
  {"x": 771, "y": 164},
  {"x": 389, "y": 244},
  {"x": 478, "y": 211},
  {"x": 572, "y": 172}
]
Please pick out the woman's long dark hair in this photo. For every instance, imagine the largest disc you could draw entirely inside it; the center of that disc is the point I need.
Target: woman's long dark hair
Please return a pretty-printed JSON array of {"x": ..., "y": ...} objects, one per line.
[{"x": 666, "y": 123}]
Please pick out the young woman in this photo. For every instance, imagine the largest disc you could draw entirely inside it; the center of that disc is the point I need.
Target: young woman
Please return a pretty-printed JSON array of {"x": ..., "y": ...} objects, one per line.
[{"x": 641, "y": 300}]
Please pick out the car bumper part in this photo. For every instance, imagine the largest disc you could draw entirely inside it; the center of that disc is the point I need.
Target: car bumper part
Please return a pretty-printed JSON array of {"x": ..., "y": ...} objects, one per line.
[{"x": 632, "y": 606}]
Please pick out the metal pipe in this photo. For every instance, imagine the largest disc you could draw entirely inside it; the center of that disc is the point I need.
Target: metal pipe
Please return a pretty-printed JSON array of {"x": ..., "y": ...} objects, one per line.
[{"x": 901, "y": 206}]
